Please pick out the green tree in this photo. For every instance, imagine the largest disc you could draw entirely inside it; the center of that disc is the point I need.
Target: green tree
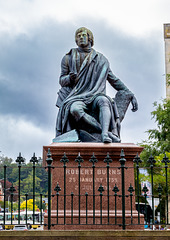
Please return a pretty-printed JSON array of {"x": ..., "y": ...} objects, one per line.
[
  {"x": 29, "y": 205},
  {"x": 9, "y": 163},
  {"x": 27, "y": 185},
  {"x": 12, "y": 175},
  {"x": 159, "y": 138},
  {"x": 157, "y": 145},
  {"x": 159, "y": 176},
  {"x": 41, "y": 173}
]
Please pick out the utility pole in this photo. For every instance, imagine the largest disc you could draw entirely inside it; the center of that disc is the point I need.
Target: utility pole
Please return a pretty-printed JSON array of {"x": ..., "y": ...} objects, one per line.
[
  {"x": 167, "y": 57},
  {"x": 167, "y": 67}
]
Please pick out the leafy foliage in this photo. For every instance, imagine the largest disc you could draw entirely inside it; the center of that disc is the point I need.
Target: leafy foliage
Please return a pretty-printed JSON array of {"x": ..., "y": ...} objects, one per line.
[
  {"x": 29, "y": 205},
  {"x": 157, "y": 145},
  {"x": 12, "y": 174},
  {"x": 9, "y": 163},
  {"x": 27, "y": 185},
  {"x": 168, "y": 79},
  {"x": 158, "y": 139}
]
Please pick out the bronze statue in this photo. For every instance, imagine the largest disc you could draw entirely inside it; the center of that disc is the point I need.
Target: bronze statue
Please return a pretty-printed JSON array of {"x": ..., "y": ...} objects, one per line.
[{"x": 82, "y": 100}]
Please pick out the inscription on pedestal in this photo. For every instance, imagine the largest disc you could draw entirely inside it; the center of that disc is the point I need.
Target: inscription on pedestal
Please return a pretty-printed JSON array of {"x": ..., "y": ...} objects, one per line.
[{"x": 87, "y": 178}]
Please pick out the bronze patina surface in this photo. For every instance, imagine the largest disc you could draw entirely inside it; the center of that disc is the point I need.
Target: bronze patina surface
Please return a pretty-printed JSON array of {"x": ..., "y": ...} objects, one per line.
[{"x": 82, "y": 100}]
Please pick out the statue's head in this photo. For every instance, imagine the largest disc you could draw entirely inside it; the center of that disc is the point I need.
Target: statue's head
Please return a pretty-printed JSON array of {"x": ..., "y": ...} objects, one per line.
[{"x": 85, "y": 32}]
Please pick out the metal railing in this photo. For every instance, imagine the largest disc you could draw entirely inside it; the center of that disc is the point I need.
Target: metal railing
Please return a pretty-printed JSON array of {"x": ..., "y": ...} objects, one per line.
[{"x": 82, "y": 200}]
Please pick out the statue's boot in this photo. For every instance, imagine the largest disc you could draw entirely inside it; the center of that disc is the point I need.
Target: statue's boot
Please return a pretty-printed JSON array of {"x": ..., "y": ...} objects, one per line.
[
  {"x": 106, "y": 138},
  {"x": 114, "y": 137},
  {"x": 92, "y": 122},
  {"x": 105, "y": 117}
]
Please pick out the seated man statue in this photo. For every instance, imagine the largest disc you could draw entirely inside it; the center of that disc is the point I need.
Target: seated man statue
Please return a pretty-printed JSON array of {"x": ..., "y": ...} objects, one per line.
[{"x": 82, "y": 100}]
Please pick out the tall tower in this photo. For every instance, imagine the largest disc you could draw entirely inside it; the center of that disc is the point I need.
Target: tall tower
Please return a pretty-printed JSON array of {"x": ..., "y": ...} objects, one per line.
[{"x": 167, "y": 57}]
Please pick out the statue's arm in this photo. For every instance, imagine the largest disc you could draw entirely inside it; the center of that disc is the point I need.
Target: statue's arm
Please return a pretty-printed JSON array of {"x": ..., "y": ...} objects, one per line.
[
  {"x": 116, "y": 82},
  {"x": 67, "y": 78},
  {"x": 64, "y": 76},
  {"x": 119, "y": 85}
]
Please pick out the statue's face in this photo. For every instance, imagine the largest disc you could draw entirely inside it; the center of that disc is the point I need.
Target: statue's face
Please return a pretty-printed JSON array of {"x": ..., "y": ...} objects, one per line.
[{"x": 82, "y": 39}]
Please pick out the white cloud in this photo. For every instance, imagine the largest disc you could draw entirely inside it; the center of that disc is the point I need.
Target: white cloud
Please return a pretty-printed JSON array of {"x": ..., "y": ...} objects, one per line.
[
  {"x": 133, "y": 17},
  {"x": 19, "y": 135}
]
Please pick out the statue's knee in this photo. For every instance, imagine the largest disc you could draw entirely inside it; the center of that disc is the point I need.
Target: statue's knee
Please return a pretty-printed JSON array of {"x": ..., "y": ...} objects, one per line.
[
  {"x": 77, "y": 111},
  {"x": 102, "y": 101}
]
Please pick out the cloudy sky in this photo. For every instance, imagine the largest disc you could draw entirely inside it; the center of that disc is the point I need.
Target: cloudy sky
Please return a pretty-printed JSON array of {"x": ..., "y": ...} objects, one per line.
[{"x": 34, "y": 36}]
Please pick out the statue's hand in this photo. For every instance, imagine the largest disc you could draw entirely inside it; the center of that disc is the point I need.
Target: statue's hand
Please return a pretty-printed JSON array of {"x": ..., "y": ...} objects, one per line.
[
  {"x": 134, "y": 104},
  {"x": 73, "y": 76}
]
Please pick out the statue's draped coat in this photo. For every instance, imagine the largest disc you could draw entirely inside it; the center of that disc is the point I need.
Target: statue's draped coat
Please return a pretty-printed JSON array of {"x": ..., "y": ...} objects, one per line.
[{"x": 91, "y": 82}]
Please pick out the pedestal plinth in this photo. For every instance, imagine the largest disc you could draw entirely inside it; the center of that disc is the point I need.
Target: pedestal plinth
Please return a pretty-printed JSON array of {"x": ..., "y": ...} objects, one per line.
[{"x": 86, "y": 199}]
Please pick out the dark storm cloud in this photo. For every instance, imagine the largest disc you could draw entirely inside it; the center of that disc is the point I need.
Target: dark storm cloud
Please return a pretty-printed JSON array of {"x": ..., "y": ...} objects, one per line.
[
  {"x": 30, "y": 67},
  {"x": 29, "y": 72},
  {"x": 139, "y": 62}
]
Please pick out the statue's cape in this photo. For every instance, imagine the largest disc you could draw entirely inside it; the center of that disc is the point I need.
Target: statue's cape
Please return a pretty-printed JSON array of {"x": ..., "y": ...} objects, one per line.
[{"x": 92, "y": 78}]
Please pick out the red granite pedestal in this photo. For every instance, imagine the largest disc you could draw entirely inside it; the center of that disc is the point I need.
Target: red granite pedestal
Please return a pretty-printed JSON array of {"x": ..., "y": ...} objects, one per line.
[{"x": 80, "y": 209}]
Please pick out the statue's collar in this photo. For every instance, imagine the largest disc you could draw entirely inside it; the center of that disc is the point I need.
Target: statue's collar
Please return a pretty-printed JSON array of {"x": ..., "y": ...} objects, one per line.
[
  {"x": 86, "y": 50},
  {"x": 74, "y": 50}
]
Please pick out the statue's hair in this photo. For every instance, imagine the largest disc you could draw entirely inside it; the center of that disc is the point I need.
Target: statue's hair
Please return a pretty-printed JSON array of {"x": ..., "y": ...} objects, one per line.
[{"x": 90, "y": 34}]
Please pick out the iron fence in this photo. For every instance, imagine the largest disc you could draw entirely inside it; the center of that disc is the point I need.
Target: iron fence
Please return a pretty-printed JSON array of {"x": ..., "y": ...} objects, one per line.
[{"x": 86, "y": 198}]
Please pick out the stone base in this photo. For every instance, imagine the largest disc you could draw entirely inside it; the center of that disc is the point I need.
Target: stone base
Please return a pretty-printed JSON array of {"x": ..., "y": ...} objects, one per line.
[
  {"x": 79, "y": 181},
  {"x": 87, "y": 149},
  {"x": 85, "y": 235},
  {"x": 72, "y": 221}
]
